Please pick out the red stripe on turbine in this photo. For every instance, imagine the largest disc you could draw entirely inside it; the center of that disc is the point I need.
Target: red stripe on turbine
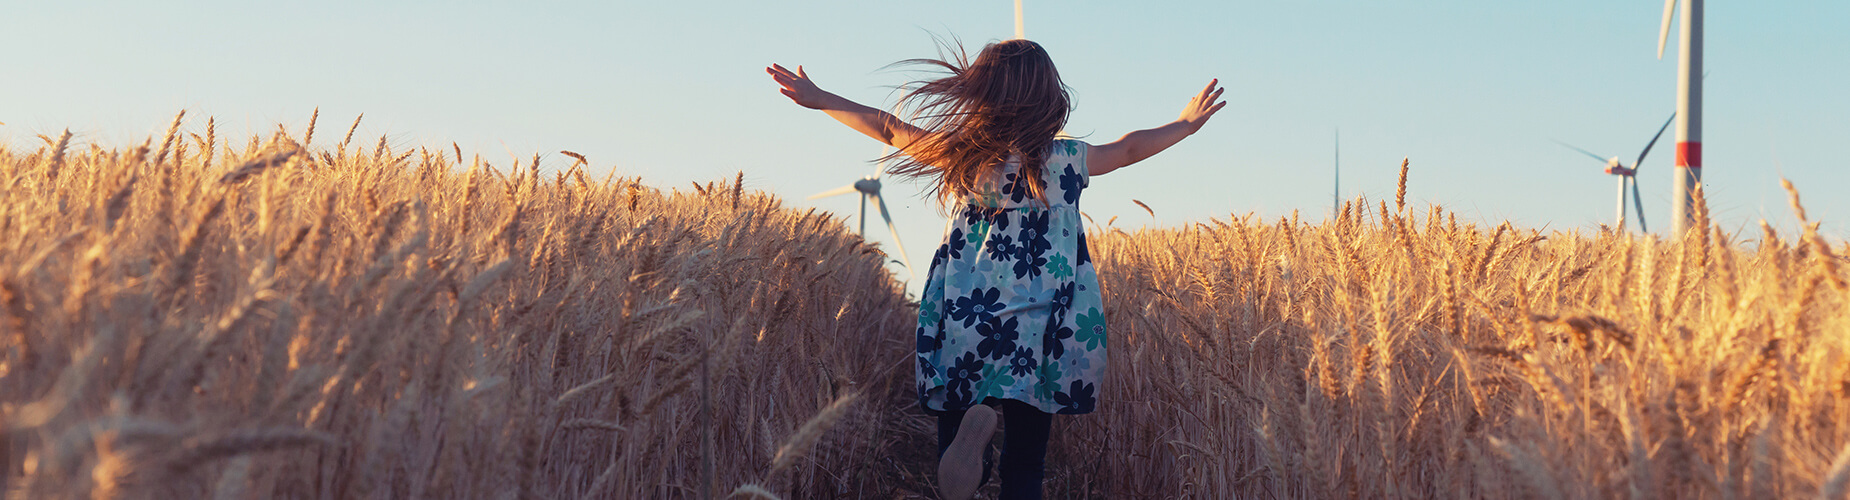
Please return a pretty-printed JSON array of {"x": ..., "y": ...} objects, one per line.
[{"x": 1689, "y": 154}]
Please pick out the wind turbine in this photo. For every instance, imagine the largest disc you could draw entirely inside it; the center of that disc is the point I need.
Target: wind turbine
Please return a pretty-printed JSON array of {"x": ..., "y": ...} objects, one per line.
[
  {"x": 1688, "y": 172},
  {"x": 869, "y": 187},
  {"x": 1627, "y": 175}
]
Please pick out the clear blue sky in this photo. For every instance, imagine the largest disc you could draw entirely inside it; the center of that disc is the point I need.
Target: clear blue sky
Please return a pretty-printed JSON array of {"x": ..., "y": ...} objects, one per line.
[{"x": 674, "y": 92}]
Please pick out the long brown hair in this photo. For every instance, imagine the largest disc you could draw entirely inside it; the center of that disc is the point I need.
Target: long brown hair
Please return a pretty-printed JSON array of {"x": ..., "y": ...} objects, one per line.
[{"x": 1009, "y": 102}]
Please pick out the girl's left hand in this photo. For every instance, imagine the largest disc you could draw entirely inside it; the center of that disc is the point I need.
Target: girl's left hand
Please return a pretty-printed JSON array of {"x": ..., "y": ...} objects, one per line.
[
  {"x": 1203, "y": 106},
  {"x": 797, "y": 86}
]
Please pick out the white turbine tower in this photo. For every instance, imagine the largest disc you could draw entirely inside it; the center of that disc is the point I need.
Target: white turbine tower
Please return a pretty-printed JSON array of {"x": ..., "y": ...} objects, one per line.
[
  {"x": 869, "y": 187},
  {"x": 1019, "y": 33},
  {"x": 1688, "y": 172},
  {"x": 1627, "y": 175}
]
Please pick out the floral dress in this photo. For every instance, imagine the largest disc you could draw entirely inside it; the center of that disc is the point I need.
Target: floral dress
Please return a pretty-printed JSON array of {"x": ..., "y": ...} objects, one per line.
[{"x": 1011, "y": 307}]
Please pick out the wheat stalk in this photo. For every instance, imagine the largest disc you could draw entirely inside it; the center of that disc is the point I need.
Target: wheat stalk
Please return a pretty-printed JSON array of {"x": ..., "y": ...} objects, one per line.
[
  {"x": 799, "y": 443},
  {"x": 167, "y": 142},
  {"x": 1836, "y": 484},
  {"x": 1400, "y": 188}
]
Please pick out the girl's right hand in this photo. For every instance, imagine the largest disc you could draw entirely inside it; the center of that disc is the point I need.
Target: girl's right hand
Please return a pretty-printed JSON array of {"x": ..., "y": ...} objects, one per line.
[
  {"x": 1203, "y": 106},
  {"x": 797, "y": 87}
]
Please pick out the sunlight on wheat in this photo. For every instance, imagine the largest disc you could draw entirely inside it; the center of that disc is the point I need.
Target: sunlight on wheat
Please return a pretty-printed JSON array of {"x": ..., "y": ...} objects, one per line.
[{"x": 187, "y": 318}]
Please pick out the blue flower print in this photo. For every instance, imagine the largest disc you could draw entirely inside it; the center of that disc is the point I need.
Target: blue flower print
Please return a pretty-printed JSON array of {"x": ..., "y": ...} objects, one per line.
[
  {"x": 1085, "y": 255},
  {"x": 926, "y": 368},
  {"x": 979, "y": 219},
  {"x": 961, "y": 272},
  {"x": 964, "y": 374},
  {"x": 1001, "y": 248},
  {"x": 968, "y": 368},
  {"x": 1033, "y": 234},
  {"x": 1047, "y": 380},
  {"x": 1032, "y": 289},
  {"x": 1023, "y": 364},
  {"x": 1017, "y": 186},
  {"x": 930, "y": 341},
  {"x": 1056, "y": 266},
  {"x": 1062, "y": 300},
  {"x": 1077, "y": 399},
  {"x": 977, "y": 232},
  {"x": 1070, "y": 183},
  {"x": 996, "y": 382},
  {"x": 929, "y": 314},
  {"x": 1015, "y": 190},
  {"x": 1052, "y": 341},
  {"x": 1029, "y": 266},
  {"x": 998, "y": 337},
  {"x": 954, "y": 248},
  {"x": 1092, "y": 328},
  {"x": 979, "y": 306}
]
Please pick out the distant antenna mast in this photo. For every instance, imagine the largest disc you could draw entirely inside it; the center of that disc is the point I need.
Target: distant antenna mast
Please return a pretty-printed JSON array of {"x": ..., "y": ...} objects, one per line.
[
  {"x": 1336, "y": 191},
  {"x": 1019, "y": 34}
]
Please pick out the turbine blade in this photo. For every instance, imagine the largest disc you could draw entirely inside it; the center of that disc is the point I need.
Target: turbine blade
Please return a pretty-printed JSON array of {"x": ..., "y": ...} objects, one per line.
[
  {"x": 833, "y": 192},
  {"x": 1601, "y": 159},
  {"x": 1638, "y": 203},
  {"x": 1647, "y": 146},
  {"x": 1663, "y": 31},
  {"x": 880, "y": 164},
  {"x": 895, "y": 230}
]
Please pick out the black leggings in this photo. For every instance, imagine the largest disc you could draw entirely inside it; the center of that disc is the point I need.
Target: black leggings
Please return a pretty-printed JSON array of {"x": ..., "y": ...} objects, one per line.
[{"x": 1024, "y": 446}]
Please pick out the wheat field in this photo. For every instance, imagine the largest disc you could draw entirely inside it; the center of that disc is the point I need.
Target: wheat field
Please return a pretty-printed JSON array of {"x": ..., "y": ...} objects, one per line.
[
  {"x": 1399, "y": 353},
  {"x": 287, "y": 318}
]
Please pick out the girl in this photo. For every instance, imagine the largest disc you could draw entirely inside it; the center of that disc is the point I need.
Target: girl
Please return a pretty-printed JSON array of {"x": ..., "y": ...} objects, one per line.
[{"x": 1010, "y": 313}]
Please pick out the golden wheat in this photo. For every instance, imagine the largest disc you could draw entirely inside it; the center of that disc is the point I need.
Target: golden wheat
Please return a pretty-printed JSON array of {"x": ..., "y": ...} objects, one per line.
[
  {"x": 1729, "y": 363},
  {"x": 355, "y": 324},
  {"x": 359, "y": 324}
]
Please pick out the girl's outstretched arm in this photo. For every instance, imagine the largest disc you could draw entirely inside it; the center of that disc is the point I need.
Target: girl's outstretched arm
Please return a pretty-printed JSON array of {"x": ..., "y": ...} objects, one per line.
[
  {"x": 1136, "y": 146},
  {"x": 880, "y": 125}
]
